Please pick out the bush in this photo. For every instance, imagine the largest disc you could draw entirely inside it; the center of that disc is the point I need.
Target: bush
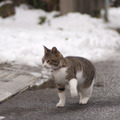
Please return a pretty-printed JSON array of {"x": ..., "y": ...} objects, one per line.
[
  {"x": 47, "y": 5},
  {"x": 7, "y": 9}
]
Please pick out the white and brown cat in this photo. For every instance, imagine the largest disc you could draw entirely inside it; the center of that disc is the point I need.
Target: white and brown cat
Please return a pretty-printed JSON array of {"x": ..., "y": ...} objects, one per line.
[{"x": 77, "y": 72}]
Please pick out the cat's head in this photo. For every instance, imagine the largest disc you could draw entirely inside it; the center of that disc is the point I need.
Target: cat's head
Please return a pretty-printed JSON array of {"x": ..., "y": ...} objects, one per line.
[{"x": 51, "y": 58}]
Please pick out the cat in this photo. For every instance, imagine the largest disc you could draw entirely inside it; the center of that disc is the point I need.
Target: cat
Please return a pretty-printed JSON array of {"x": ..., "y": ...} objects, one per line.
[{"x": 77, "y": 72}]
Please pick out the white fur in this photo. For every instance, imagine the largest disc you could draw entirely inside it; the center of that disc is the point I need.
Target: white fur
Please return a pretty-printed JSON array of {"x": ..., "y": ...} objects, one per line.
[
  {"x": 85, "y": 94},
  {"x": 60, "y": 76},
  {"x": 83, "y": 100},
  {"x": 80, "y": 79},
  {"x": 73, "y": 87},
  {"x": 61, "y": 102},
  {"x": 79, "y": 75},
  {"x": 46, "y": 65}
]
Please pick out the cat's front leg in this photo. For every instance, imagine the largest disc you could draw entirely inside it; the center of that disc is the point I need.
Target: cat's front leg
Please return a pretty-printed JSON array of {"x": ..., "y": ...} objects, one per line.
[
  {"x": 73, "y": 87},
  {"x": 61, "y": 94}
]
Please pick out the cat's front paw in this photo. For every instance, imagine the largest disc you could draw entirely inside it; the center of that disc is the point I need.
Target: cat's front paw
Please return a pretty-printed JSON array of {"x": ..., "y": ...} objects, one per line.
[
  {"x": 74, "y": 93},
  {"x": 60, "y": 104}
]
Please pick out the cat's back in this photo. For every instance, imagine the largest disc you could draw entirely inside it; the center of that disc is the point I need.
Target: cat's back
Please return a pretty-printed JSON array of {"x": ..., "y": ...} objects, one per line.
[{"x": 79, "y": 62}]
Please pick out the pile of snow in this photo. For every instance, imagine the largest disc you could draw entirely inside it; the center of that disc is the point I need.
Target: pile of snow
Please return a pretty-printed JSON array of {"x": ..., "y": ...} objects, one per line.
[
  {"x": 114, "y": 17},
  {"x": 2, "y": 117},
  {"x": 22, "y": 38},
  {"x": 5, "y": 2}
]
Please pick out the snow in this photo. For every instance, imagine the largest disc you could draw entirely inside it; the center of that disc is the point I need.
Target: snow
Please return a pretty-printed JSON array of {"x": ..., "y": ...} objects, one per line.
[
  {"x": 2, "y": 117},
  {"x": 22, "y": 38},
  {"x": 5, "y": 2},
  {"x": 114, "y": 17}
]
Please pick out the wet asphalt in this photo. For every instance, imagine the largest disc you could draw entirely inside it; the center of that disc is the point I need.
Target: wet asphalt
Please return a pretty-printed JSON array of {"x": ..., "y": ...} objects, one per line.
[{"x": 40, "y": 104}]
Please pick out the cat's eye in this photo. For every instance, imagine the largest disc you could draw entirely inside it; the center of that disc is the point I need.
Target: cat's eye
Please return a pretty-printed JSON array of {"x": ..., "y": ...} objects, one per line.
[
  {"x": 54, "y": 61},
  {"x": 48, "y": 61}
]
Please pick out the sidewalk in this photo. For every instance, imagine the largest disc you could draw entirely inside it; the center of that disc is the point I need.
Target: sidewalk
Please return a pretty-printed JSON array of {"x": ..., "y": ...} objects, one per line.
[{"x": 16, "y": 78}]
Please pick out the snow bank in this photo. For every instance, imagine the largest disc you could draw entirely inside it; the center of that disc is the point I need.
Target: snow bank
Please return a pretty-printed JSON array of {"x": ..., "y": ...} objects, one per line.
[
  {"x": 114, "y": 17},
  {"x": 2, "y": 117},
  {"x": 22, "y": 38},
  {"x": 5, "y": 2}
]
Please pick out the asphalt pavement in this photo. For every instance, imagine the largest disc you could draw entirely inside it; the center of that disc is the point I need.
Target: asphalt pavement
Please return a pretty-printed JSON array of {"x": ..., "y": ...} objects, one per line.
[{"x": 40, "y": 104}]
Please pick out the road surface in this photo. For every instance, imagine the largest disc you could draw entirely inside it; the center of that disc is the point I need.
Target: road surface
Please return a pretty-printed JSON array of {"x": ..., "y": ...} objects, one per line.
[{"x": 40, "y": 104}]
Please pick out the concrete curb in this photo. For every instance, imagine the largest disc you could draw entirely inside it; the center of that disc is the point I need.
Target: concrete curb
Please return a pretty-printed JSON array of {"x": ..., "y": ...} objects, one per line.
[{"x": 16, "y": 78}]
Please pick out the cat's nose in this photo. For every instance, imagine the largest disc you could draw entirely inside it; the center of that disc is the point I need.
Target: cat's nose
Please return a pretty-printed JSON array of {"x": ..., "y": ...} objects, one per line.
[{"x": 45, "y": 66}]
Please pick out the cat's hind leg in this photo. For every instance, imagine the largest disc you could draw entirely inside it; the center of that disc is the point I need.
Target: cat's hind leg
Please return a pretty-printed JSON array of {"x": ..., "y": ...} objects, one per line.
[
  {"x": 85, "y": 94},
  {"x": 73, "y": 87},
  {"x": 61, "y": 94},
  {"x": 83, "y": 99}
]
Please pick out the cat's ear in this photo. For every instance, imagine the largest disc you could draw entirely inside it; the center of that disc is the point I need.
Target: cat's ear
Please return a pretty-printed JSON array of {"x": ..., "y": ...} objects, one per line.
[
  {"x": 54, "y": 50},
  {"x": 46, "y": 50}
]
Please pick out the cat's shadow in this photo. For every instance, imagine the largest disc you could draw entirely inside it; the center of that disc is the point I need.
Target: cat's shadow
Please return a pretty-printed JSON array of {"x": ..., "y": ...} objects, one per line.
[{"x": 95, "y": 104}]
